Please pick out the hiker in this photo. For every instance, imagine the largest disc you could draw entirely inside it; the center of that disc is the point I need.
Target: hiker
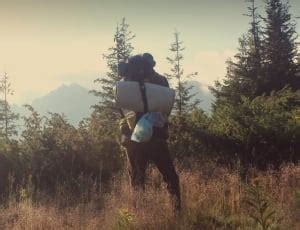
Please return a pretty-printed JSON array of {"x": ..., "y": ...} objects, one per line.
[{"x": 141, "y": 68}]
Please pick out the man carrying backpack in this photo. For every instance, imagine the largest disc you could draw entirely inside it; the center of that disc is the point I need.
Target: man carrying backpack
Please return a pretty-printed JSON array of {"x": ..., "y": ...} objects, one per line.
[{"x": 140, "y": 68}]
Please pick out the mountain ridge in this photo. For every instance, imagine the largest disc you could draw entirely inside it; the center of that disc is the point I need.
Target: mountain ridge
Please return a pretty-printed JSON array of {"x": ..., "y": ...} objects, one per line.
[{"x": 75, "y": 101}]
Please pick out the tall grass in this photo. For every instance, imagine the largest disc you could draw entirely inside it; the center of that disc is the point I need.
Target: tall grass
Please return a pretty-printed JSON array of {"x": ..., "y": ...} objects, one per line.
[{"x": 212, "y": 198}]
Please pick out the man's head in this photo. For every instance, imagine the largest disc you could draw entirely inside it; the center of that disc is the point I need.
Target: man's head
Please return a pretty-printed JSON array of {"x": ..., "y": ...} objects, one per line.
[
  {"x": 149, "y": 60},
  {"x": 138, "y": 67}
]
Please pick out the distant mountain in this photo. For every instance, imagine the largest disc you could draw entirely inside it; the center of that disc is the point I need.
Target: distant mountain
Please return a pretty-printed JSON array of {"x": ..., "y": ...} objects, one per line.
[{"x": 74, "y": 101}]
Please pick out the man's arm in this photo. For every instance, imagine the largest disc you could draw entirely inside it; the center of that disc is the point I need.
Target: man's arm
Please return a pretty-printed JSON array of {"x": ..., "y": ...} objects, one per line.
[{"x": 125, "y": 132}]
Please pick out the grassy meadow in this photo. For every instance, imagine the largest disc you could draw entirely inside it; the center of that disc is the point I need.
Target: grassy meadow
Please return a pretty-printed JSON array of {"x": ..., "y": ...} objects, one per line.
[{"x": 212, "y": 198}]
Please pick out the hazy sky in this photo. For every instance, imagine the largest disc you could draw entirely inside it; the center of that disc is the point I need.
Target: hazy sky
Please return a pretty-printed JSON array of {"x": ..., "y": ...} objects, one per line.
[{"x": 46, "y": 43}]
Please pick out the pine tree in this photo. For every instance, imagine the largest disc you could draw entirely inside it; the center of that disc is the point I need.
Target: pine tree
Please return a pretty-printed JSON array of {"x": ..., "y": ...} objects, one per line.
[
  {"x": 265, "y": 64},
  {"x": 121, "y": 51},
  {"x": 33, "y": 127},
  {"x": 280, "y": 47},
  {"x": 182, "y": 128},
  {"x": 184, "y": 99},
  {"x": 255, "y": 29},
  {"x": 104, "y": 117},
  {"x": 256, "y": 51},
  {"x": 7, "y": 117},
  {"x": 245, "y": 73}
]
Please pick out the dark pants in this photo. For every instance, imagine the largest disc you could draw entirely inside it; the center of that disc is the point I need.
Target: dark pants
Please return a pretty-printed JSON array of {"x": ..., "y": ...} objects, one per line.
[{"x": 157, "y": 151}]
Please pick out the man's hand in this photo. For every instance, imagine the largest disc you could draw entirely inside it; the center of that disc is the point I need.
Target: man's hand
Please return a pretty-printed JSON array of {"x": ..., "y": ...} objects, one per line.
[{"x": 125, "y": 140}]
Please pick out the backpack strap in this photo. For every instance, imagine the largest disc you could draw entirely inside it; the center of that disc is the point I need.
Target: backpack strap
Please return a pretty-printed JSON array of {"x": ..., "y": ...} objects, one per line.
[{"x": 143, "y": 93}]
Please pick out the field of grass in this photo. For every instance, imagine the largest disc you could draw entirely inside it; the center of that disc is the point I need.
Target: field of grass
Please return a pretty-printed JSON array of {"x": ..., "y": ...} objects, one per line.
[{"x": 212, "y": 198}]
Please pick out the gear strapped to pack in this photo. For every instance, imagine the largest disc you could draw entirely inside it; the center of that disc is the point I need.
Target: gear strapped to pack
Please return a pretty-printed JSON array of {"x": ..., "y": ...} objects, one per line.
[{"x": 135, "y": 69}]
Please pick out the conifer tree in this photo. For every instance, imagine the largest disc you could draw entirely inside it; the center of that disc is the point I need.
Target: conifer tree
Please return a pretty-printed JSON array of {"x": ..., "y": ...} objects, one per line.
[
  {"x": 103, "y": 120},
  {"x": 33, "y": 127},
  {"x": 7, "y": 117},
  {"x": 184, "y": 99},
  {"x": 121, "y": 51},
  {"x": 280, "y": 47},
  {"x": 255, "y": 28},
  {"x": 182, "y": 128},
  {"x": 265, "y": 64},
  {"x": 244, "y": 74}
]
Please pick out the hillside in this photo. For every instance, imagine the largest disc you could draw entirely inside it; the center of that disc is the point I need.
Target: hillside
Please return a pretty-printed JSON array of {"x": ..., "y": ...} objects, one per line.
[{"x": 73, "y": 100}]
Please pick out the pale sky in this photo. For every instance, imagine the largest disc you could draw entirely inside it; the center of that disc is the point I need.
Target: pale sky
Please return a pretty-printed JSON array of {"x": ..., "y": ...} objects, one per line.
[{"x": 44, "y": 44}]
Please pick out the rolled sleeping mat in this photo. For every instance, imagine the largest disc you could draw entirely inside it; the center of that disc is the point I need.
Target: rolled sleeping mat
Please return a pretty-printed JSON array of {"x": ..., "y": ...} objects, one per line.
[{"x": 128, "y": 96}]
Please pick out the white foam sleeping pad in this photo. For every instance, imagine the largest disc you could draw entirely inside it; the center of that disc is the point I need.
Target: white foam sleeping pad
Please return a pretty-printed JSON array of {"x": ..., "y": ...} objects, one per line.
[{"x": 128, "y": 96}]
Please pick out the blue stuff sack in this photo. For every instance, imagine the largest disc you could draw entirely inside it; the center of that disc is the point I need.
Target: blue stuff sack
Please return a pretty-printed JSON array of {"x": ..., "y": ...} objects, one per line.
[
  {"x": 143, "y": 130},
  {"x": 156, "y": 119}
]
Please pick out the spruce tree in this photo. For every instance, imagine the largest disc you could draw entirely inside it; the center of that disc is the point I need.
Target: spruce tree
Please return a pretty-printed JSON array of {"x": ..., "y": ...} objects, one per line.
[
  {"x": 121, "y": 51},
  {"x": 104, "y": 117},
  {"x": 255, "y": 105},
  {"x": 184, "y": 102},
  {"x": 182, "y": 129},
  {"x": 244, "y": 73},
  {"x": 280, "y": 47},
  {"x": 7, "y": 116},
  {"x": 33, "y": 128}
]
